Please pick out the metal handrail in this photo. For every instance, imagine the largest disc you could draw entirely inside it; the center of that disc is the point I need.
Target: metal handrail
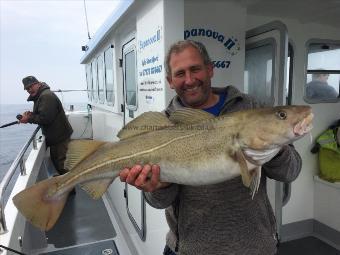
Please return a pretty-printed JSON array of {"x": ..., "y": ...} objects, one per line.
[
  {"x": 9, "y": 175},
  {"x": 69, "y": 90},
  {"x": 62, "y": 91}
]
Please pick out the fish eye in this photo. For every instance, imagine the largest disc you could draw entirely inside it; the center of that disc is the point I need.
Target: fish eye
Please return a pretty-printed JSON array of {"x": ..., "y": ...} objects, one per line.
[{"x": 282, "y": 115}]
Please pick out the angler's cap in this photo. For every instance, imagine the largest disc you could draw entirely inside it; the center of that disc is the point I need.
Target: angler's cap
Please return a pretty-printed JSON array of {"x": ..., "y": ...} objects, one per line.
[{"x": 28, "y": 81}]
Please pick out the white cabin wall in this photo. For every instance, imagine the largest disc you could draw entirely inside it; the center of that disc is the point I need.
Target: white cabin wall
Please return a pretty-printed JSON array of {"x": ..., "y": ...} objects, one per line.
[
  {"x": 108, "y": 120},
  {"x": 228, "y": 21},
  {"x": 142, "y": 22},
  {"x": 123, "y": 34},
  {"x": 302, "y": 204},
  {"x": 108, "y": 123},
  {"x": 150, "y": 58},
  {"x": 165, "y": 18},
  {"x": 324, "y": 115},
  {"x": 151, "y": 97},
  {"x": 173, "y": 31}
]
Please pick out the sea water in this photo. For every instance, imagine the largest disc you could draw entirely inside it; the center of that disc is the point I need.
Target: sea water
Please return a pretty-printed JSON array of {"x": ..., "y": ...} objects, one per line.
[{"x": 14, "y": 137}]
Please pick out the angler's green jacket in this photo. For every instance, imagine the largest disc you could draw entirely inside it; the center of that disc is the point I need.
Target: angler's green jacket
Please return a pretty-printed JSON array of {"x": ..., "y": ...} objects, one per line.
[
  {"x": 49, "y": 114},
  {"x": 222, "y": 218}
]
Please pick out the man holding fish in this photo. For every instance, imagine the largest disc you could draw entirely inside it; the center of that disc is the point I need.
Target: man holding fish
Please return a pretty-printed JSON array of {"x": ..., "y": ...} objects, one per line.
[
  {"x": 218, "y": 218},
  {"x": 205, "y": 160}
]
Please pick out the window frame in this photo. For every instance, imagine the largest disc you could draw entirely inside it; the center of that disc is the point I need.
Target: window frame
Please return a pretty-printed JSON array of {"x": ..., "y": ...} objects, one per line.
[
  {"x": 88, "y": 72},
  {"x": 325, "y": 42},
  {"x": 94, "y": 81},
  {"x": 100, "y": 60},
  {"x": 264, "y": 42},
  {"x": 110, "y": 48},
  {"x": 126, "y": 51}
]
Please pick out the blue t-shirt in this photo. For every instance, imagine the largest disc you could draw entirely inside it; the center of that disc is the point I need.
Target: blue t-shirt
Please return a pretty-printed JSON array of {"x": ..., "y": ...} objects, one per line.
[{"x": 216, "y": 109}]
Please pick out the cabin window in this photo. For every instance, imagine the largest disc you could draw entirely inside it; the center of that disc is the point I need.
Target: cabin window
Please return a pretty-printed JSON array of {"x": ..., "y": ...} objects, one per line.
[
  {"x": 101, "y": 79},
  {"x": 108, "y": 59},
  {"x": 89, "y": 81},
  {"x": 95, "y": 81},
  {"x": 323, "y": 72},
  {"x": 130, "y": 79},
  {"x": 258, "y": 76},
  {"x": 289, "y": 77}
]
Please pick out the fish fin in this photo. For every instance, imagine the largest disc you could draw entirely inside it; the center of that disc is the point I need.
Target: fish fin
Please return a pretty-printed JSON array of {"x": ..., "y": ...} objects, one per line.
[
  {"x": 246, "y": 176},
  {"x": 255, "y": 181},
  {"x": 250, "y": 179},
  {"x": 190, "y": 116},
  {"x": 78, "y": 150},
  {"x": 40, "y": 211},
  {"x": 146, "y": 122},
  {"x": 96, "y": 188}
]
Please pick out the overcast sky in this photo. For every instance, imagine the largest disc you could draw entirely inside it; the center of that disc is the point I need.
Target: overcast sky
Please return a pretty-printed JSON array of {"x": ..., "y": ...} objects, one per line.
[{"x": 44, "y": 39}]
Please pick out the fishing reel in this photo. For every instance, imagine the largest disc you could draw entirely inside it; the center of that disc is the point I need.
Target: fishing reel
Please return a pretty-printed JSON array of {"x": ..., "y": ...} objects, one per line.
[{"x": 19, "y": 117}]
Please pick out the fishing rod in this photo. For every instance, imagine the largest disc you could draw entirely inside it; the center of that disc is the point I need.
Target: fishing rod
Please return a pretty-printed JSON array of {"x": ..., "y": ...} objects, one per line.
[{"x": 19, "y": 116}]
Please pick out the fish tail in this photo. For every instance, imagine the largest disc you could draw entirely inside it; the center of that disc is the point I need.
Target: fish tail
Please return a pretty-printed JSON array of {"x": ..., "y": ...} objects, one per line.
[{"x": 38, "y": 206}]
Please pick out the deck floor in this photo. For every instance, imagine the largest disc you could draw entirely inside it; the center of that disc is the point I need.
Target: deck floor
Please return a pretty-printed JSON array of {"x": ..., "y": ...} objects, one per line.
[
  {"x": 105, "y": 247},
  {"x": 308, "y": 245},
  {"x": 84, "y": 225},
  {"x": 83, "y": 220}
]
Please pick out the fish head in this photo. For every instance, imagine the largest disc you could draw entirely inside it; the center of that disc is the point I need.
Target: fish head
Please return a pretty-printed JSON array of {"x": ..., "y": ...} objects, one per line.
[{"x": 268, "y": 128}]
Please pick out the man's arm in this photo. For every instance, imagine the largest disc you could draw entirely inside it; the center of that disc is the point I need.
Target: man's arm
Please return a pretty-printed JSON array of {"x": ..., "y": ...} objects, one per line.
[
  {"x": 285, "y": 166},
  {"x": 162, "y": 198},
  {"x": 46, "y": 112}
]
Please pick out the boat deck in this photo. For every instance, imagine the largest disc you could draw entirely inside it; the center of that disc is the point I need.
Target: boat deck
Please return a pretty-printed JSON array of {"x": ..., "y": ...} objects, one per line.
[
  {"x": 84, "y": 227},
  {"x": 309, "y": 245}
]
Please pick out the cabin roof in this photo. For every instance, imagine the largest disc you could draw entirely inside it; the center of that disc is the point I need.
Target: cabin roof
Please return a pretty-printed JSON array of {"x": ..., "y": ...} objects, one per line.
[
  {"x": 105, "y": 29},
  {"x": 326, "y": 12}
]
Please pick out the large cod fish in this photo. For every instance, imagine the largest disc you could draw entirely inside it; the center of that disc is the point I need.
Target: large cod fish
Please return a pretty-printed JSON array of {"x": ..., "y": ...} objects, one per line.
[{"x": 192, "y": 147}]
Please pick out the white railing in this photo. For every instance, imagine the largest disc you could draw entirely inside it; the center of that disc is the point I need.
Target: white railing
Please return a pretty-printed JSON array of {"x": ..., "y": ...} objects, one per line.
[{"x": 18, "y": 161}]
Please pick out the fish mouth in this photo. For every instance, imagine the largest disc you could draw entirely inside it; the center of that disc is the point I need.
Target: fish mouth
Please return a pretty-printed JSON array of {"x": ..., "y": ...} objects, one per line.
[{"x": 304, "y": 126}]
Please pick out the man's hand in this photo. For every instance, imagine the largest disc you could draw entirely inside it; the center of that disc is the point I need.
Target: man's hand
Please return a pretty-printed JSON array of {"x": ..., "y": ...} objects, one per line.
[
  {"x": 259, "y": 157},
  {"x": 145, "y": 177},
  {"x": 25, "y": 117}
]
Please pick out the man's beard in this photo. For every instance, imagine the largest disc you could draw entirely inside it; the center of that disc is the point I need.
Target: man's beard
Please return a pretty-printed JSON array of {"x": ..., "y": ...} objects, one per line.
[{"x": 201, "y": 98}]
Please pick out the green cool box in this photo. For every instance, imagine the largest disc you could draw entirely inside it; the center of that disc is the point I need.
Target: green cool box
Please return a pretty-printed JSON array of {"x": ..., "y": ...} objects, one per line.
[{"x": 329, "y": 157}]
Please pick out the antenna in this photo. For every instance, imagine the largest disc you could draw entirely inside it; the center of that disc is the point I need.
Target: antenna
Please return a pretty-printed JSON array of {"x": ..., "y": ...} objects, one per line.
[{"x": 87, "y": 23}]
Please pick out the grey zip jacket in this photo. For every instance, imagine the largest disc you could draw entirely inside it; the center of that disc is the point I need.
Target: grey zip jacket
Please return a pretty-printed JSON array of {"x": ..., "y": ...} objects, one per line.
[{"x": 222, "y": 218}]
